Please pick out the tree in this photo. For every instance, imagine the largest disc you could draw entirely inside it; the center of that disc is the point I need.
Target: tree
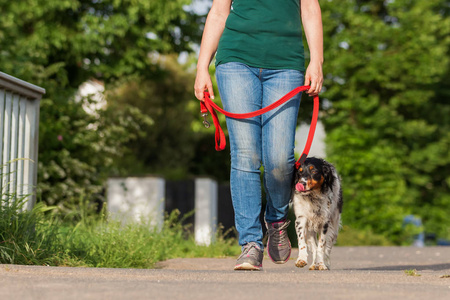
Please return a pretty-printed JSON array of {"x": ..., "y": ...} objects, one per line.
[
  {"x": 168, "y": 145},
  {"x": 386, "y": 71},
  {"x": 60, "y": 44},
  {"x": 176, "y": 145},
  {"x": 65, "y": 42}
]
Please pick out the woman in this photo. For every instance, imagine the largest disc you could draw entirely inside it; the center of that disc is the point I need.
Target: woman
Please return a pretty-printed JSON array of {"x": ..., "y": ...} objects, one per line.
[{"x": 259, "y": 59}]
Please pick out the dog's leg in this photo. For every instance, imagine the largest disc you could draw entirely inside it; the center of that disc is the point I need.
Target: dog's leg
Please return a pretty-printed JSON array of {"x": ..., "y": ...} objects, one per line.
[
  {"x": 319, "y": 263},
  {"x": 331, "y": 237},
  {"x": 328, "y": 245},
  {"x": 312, "y": 246},
  {"x": 300, "y": 228}
]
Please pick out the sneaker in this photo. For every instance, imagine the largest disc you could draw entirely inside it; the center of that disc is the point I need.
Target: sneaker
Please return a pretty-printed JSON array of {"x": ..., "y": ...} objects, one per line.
[
  {"x": 250, "y": 258},
  {"x": 278, "y": 245}
]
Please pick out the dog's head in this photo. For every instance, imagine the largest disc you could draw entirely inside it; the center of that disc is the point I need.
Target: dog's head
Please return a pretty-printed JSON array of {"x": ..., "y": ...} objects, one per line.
[{"x": 314, "y": 175}]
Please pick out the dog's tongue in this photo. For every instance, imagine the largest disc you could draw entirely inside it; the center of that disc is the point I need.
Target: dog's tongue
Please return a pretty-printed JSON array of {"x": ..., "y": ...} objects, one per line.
[{"x": 299, "y": 187}]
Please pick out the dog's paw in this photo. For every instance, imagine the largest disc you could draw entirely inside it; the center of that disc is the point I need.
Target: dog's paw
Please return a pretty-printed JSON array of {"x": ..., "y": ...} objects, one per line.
[
  {"x": 319, "y": 266},
  {"x": 300, "y": 263}
]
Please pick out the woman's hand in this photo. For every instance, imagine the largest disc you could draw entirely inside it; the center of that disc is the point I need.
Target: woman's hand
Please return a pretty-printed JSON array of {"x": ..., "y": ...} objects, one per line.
[
  {"x": 314, "y": 78},
  {"x": 203, "y": 83}
]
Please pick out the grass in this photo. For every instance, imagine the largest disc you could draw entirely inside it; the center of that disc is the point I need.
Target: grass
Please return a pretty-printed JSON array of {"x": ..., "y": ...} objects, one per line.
[
  {"x": 349, "y": 236},
  {"x": 38, "y": 237},
  {"x": 412, "y": 272}
]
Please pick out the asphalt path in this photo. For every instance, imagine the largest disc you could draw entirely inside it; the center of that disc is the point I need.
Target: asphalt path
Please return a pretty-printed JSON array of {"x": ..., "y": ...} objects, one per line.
[{"x": 357, "y": 273}]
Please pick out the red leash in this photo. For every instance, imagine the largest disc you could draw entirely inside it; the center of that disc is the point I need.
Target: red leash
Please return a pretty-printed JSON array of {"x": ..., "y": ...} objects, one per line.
[{"x": 209, "y": 105}]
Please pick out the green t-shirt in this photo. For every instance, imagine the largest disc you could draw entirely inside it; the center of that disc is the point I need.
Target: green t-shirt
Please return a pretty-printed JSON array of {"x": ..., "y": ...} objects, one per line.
[{"x": 263, "y": 34}]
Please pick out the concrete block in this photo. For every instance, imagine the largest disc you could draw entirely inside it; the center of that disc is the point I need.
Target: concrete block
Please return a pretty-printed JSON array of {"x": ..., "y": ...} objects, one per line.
[
  {"x": 137, "y": 199},
  {"x": 205, "y": 210}
]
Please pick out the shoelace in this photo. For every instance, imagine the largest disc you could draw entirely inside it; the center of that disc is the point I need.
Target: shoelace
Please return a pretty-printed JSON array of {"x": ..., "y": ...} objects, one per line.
[
  {"x": 247, "y": 248},
  {"x": 279, "y": 234}
]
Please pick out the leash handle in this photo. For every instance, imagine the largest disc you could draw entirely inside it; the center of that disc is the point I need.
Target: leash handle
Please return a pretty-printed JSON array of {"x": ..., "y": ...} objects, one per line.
[
  {"x": 210, "y": 106},
  {"x": 203, "y": 108}
]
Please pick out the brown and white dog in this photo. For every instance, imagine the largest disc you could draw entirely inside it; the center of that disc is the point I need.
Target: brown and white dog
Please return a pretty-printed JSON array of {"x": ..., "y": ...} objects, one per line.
[{"x": 317, "y": 200}]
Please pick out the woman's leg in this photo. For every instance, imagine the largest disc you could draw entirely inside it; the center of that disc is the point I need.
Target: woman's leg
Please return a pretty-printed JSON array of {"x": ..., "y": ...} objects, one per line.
[
  {"x": 241, "y": 92},
  {"x": 278, "y": 140}
]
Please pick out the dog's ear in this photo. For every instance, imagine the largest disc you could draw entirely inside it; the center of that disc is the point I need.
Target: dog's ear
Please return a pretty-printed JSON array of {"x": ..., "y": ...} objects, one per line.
[{"x": 328, "y": 175}]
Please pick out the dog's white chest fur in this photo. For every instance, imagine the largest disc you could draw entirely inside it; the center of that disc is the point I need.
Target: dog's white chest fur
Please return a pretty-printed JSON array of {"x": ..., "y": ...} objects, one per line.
[{"x": 314, "y": 208}]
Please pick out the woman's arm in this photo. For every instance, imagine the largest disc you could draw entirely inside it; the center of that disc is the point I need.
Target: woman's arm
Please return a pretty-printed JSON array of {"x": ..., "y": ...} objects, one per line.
[
  {"x": 312, "y": 24},
  {"x": 214, "y": 26}
]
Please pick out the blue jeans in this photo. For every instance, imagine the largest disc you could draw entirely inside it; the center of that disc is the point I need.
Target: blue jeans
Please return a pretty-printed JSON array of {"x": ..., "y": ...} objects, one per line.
[{"x": 268, "y": 139}]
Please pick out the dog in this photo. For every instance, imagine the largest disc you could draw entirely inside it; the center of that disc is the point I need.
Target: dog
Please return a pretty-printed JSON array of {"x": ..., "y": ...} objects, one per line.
[{"x": 317, "y": 201}]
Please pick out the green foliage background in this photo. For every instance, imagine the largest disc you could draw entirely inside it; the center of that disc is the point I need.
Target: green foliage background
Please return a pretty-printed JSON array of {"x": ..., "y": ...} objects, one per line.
[
  {"x": 385, "y": 104},
  {"x": 59, "y": 45},
  {"x": 388, "y": 126}
]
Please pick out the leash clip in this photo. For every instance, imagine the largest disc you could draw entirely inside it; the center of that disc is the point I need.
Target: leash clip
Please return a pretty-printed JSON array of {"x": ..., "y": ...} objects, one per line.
[
  {"x": 205, "y": 122},
  {"x": 204, "y": 112}
]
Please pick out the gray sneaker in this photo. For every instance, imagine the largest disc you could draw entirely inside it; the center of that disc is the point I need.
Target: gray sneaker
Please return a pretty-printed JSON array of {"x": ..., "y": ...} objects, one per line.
[
  {"x": 251, "y": 257},
  {"x": 278, "y": 245}
]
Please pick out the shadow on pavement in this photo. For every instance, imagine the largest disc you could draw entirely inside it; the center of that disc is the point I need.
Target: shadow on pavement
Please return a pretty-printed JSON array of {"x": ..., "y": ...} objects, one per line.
[{"x": 435, "y": 267}]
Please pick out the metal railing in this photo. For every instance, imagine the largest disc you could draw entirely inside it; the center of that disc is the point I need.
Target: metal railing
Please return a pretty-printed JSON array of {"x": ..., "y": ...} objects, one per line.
[{"x": 19, "y": 137}]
